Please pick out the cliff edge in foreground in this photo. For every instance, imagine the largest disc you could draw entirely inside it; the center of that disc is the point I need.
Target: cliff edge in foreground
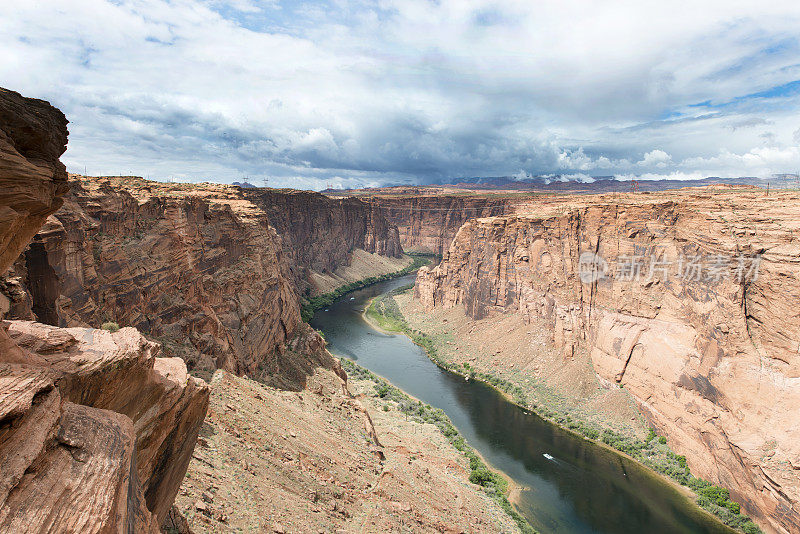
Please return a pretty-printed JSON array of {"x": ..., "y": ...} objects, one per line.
[{"x": 96, "y": 432}]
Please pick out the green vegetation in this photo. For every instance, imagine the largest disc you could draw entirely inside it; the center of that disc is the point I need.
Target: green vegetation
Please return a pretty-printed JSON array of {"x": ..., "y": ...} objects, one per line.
[
  {"x": 110, "y": 326},
  {"x": 384, "y": 312},
  {"x": 652, "y": 452},
  {"x": 320, "y": 301},
  {"x": 492, "y": 483}
]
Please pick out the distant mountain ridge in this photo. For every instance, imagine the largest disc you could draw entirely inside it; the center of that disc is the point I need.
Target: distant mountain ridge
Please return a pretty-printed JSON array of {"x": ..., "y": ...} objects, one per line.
[{"x": 598, "y": 184}]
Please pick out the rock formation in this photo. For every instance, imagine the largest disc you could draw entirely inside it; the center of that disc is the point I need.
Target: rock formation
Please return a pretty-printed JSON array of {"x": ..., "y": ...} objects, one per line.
[
  {"x": 711, "y": 357},
  {"x": 320, "y": 233},
  {"x": 211, "y": 271},
  {"x": 278, "y": 461},
  {"x": 33, "y": 135},
  {"x": 428, "y": 223},
  {"x": 96, "y": 433}
]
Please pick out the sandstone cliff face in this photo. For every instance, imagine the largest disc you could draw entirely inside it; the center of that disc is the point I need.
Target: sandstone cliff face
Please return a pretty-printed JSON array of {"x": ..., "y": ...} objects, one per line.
[
  {"x": 211, "y": 271},
  {"x": 33, "y": 135},
  {"x": 428, "y": 223},
  {"x": 96, "y": 433},
  {"x": 202, "y": 273},
  {"x": 713, "y": 362},
  {"x": 320, "y": 233}
]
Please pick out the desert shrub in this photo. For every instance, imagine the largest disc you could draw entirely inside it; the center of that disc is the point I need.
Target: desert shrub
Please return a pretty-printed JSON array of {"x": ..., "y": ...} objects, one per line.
[
  {"x": 481, "y": 476},
  {"x": 110, "y": 326}
]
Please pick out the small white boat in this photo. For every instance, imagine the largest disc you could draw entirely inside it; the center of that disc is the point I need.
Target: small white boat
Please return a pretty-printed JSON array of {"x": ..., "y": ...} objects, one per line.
[
  {"x": 352, "y": 298},
  {"x": 548, "y": 456},
  {"x": 326, "y": 309}
]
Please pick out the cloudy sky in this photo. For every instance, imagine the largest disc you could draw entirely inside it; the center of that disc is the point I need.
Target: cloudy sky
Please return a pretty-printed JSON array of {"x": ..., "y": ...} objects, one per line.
[{"x": 370, "y": 92}]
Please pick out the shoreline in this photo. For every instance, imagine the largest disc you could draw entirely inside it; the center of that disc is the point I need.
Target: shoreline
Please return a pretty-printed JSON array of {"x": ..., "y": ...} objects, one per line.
[
  {"x": 686, "y": 492},
  {"x": 514, "y": 488},
  {"x": 511, "y": 487}
]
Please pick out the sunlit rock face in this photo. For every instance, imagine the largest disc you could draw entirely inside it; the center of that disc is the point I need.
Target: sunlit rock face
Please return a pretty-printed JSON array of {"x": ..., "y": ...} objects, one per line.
[
  {"x": 428, "y": 223},
  {"x": 713, "y": 362},
  {"x": 96, "y": 432},
  {"x": 214, "y": 272}
]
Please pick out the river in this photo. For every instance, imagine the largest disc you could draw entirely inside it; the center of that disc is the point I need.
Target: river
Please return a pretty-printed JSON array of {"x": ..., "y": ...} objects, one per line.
[{"x": 584, "y": 488}]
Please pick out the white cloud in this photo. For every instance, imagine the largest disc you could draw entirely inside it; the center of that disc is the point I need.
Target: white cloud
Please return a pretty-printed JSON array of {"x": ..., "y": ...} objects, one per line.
[
  {"x": 403, "y": 90},
  {"x": 655, "y": 158},
  {"x": 760, "y": 161},
  {"x": 578, "y": 177}
]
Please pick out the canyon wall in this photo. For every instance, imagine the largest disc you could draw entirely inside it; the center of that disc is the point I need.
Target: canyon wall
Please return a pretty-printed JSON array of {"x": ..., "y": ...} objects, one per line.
[
  {"x": 96, "y": 432},
  {"x": 321, "y": 232},
  {"x": 710, "y": 356},
  {"x": 213, "y": 272},
  {"x": 428, "y": 223}
]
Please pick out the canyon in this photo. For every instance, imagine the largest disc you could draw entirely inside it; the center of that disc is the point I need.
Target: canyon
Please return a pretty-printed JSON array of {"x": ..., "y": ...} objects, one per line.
[
  {"x": 192, "y": 286},
  {"x": 212, "y": 272},
  {"x": 198, "y": 289},
  {"x": 96, "y": 431},
  {"x": 711, "y": 360}
]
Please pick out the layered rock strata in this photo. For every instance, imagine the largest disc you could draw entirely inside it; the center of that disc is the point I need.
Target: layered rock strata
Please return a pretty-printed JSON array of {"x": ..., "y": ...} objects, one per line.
[
  {"x": 711, "y": 355},
  {"x": 428, "y": 223},
  {"x": 319, "y": 232},
  {"x": 33, "y": 135},
  {"x": 96, "y": 433},
  {"x": 213, "y": 272}
]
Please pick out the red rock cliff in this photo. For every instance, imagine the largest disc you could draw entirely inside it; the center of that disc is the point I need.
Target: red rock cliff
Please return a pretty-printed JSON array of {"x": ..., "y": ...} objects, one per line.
[
  {"x": 319, "y": 233},
  {"x": 33, "y": 135},
  {"x": 713, "y": 363},
  {"x": 211, "y": 271},
  {"x": 428, "y": 223},
  {"x": 96, "y": 433}
]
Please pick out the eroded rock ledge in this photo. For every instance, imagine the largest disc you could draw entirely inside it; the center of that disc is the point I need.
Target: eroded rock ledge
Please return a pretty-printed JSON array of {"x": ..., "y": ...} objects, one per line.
[
  {"x": 712, "y": 363},
  {"x": 95, "y": 432},
  {"x": 213, "y": 272}
]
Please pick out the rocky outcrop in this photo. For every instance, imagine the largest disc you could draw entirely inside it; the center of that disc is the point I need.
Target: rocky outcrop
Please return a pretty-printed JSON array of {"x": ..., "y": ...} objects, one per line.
[
  {"x": 33, "y": 135},
  {"x": 96, "y": 433},
  {"x": 711, "y": 356},
  {"x": 321, "y": 460},
  {"x": 320, "y": 233},
  {"x": 211, "y": 271},
  {"x": 202, "y": 272},
  {"x": 428, "y": 223}
]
